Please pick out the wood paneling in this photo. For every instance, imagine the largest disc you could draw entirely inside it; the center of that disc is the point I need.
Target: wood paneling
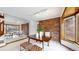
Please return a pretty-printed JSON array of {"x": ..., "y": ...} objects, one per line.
[
  {"x": 25, "y": 28},
  {"x": 51, "y": 25},
  {"x": 69, "y": 11},
  {"x": 77, "y": 9},
  {"x": 1, "y": 24},
  {"x": 1, "y": 28},
  {"x": 61, "y": 28}
]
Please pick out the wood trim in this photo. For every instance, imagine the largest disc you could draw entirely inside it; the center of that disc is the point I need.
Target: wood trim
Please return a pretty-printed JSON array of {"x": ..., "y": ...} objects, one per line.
[
  {"x": 25, "y": 27},
  {"x": 71, "y": 15},
  {"x": 75, "y": 28},
  {"x": 3, "y": 27},
  {"x": 2, "y": 32},
  {"x": 60, "y": 30},
  {"x": 76, "y": 11},
  {"x": 48, "y": 19},
  {"x": 64, "y": 11}
]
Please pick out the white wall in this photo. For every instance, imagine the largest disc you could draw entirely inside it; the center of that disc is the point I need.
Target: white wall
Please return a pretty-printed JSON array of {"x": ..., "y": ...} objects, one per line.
[
  {"x": 14, "y": 20},
  {"x": 32, "y": 27}
]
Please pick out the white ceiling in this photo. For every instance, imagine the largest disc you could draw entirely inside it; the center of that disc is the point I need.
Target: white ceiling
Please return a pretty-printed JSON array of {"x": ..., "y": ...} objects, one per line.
[{"x": 26, "y": 14}]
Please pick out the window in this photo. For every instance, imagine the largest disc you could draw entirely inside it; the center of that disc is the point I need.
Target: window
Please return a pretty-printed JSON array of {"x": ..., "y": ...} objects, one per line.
[{"x": 69, "y": 28}]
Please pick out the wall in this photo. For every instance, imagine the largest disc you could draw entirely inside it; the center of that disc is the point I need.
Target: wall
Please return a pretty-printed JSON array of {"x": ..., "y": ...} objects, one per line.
[
  {"x": 32, "y": 27},
  {"x": 61, "y": 28},
  {"x": 51, "y": 25},
  {"x": 13, "y": 20},
  {"x": 25, "y": 28},
  {"x": 69, "y": 11}
]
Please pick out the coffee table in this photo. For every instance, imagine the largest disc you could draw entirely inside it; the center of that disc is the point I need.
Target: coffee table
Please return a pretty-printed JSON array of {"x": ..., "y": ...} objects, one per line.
[{"x": 43, "y": 39}]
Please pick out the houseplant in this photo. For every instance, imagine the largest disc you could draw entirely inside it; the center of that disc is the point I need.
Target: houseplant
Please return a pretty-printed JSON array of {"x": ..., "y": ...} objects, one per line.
[
  {"x": 39, "y": 32},
  {"x": 39, "y": 29}
]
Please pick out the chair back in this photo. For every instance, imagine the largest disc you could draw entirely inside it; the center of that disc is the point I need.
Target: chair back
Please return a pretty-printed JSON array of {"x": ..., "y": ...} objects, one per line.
[{"x": 47, "y": 34}]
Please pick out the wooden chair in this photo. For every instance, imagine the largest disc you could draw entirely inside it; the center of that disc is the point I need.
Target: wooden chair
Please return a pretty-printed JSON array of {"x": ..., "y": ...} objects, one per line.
[
  {"x": 25, "y": 46},
  {"x": 35, "y": 48},
  {"x": 29, "y": 47}
]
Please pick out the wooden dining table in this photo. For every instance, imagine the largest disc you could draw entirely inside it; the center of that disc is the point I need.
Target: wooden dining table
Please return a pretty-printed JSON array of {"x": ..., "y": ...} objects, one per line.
[{"x": 43, "y": 39}]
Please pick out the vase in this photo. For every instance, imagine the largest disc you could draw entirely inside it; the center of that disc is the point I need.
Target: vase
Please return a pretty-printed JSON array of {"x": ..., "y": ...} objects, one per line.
[
  {"x": 41, "y": 35},
  {"x": 37, "y": 35}
]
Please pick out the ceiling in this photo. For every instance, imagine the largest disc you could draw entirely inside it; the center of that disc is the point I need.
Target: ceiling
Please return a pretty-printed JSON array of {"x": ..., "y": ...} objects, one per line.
[{"x": 25, "y": 14}]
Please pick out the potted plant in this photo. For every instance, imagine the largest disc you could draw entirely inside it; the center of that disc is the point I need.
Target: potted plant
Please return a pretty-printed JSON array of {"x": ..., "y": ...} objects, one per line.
[
  {"x": 39, "y": 32},
  {"x": 39, "y": 29}
]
